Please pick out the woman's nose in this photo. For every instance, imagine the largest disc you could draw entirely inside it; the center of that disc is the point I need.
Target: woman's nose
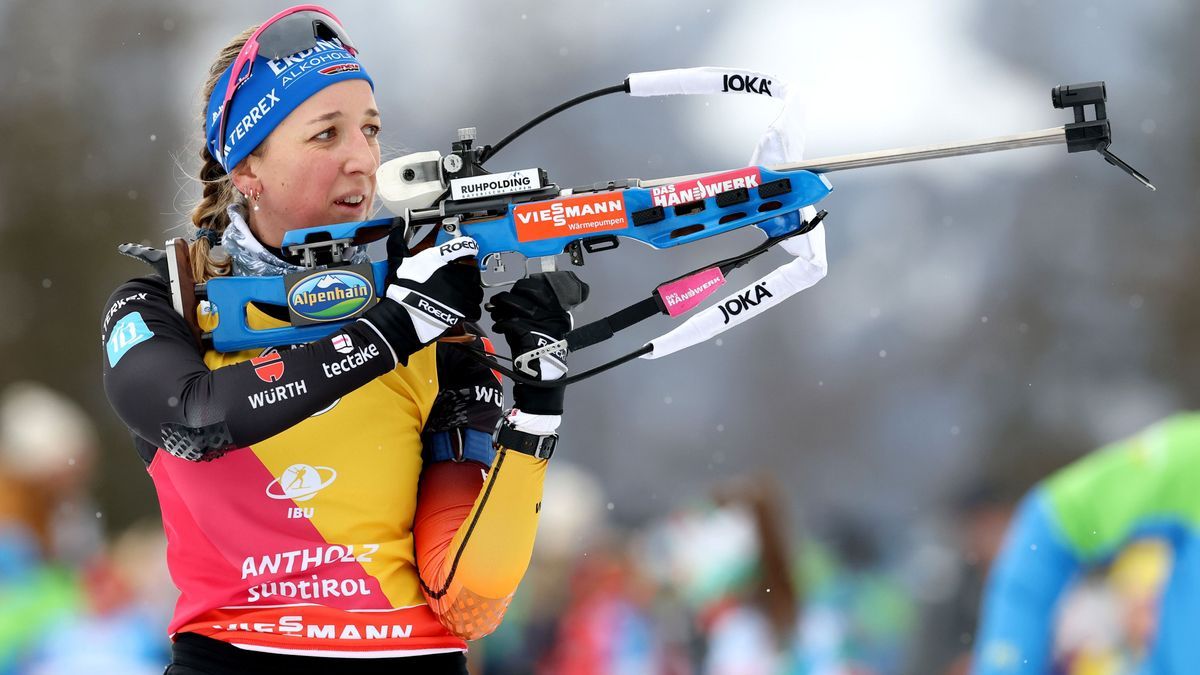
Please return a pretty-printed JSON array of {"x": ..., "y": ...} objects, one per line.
[{"x": 362, "y": 155}]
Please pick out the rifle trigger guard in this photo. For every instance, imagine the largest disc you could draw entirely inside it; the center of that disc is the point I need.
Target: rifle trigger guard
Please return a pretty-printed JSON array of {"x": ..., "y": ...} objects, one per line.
[
  {"x": 522, "y": 362},
  {"x": 494, "y": 262}
]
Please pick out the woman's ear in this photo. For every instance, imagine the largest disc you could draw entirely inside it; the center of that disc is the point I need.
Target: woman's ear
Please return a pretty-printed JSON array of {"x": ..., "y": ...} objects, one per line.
[{"x": 245, "y": 176}]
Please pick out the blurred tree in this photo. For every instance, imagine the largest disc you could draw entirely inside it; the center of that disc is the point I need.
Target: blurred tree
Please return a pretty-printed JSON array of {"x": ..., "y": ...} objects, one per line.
[
  {"x": 962, "y": 331},
  {"x": 86, "y": 166}
]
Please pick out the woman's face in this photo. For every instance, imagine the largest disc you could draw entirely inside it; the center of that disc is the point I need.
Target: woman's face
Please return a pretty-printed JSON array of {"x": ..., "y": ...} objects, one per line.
[{"x": 318, "y": 166}]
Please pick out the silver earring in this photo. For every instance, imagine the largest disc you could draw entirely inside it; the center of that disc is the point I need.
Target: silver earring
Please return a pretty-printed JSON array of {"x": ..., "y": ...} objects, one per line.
[{"x": 257, "y": 194}]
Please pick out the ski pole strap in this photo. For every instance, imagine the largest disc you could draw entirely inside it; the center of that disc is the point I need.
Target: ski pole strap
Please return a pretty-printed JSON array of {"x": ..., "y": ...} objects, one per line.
[
  {"x": 674, "y": 297},
  {"x": 745, "y": 304},
  {"x": 678, "y": 296}
]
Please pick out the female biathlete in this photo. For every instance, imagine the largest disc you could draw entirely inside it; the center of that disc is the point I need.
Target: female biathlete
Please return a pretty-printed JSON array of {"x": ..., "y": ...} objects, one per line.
[
  {"x": 338, "y": 506},
  {"x": 1082, "y": 516}
]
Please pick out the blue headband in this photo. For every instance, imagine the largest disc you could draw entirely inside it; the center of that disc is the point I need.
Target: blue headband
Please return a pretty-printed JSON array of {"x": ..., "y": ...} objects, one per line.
[{"x": 274, "y": 89}]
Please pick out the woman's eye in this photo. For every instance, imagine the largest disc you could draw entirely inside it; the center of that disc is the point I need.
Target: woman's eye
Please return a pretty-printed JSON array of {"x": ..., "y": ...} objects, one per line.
[
  {"x": 371, "y": 130},
  {"x": 324, "y": 135}
]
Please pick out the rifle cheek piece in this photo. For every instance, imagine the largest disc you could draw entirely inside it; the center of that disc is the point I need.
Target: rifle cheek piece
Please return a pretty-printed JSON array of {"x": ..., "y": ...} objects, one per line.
[{"x": 411, "y": 182}]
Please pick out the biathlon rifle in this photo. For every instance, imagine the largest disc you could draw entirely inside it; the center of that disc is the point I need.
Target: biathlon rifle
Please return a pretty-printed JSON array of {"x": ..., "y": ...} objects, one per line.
[{"x": 440, "y": 198}]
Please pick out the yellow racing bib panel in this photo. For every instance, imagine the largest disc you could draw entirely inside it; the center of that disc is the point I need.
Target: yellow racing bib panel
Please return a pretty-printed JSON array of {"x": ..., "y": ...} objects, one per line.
[{"x": 304, "y": 543}]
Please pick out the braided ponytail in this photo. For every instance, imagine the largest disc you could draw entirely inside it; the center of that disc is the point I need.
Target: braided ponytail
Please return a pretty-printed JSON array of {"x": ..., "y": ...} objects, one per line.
[{"x": 209, "y": 215}]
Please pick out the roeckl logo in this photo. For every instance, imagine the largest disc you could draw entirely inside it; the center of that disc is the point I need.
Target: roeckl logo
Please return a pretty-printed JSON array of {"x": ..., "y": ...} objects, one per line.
[
  {"x": 739, "y": 303},
  {"x": 437, "y": 312},
  {"x": 458, "y": 245},
  {"x": 269, "y": 367},
  {"x": 750, "y": 85},
  {"x": 301, "y": 482}
]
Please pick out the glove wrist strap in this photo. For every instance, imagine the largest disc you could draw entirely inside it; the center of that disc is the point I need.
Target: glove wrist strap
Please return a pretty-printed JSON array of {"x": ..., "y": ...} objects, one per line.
[
  {"x": 391, "y": 322},
  {"x": 430, "y": 318},
  {"x": 535, "y": 445},
  {"x": 532, "y": 423}
]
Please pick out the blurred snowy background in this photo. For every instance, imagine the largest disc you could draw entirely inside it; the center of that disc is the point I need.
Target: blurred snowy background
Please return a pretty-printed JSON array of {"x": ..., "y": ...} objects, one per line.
[{"x": 985, "y": 319}]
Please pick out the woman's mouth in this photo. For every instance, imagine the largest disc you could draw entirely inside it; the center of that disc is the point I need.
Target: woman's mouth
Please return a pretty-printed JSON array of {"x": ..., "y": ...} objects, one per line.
[{"x": 352, "y": 202}]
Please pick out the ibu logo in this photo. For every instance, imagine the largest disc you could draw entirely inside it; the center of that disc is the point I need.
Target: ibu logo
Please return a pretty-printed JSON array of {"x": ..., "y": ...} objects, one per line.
[
  {"x": 329, "y": 296},
  {"x": 301, "y": 482}
]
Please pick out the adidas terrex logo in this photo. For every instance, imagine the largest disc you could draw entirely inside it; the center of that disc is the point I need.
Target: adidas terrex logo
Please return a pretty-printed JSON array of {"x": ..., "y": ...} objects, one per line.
[
  {"x": 743, "y": 301},
  {"x": 750, "y": 85},
  {"x": 118, "y": 305},
  {"x": 251, "y": 118},
  {"x": 350, "y": 361}
]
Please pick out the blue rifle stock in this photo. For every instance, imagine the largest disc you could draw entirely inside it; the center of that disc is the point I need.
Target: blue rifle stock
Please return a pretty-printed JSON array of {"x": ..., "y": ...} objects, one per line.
[{"x": 763, "y": 196}]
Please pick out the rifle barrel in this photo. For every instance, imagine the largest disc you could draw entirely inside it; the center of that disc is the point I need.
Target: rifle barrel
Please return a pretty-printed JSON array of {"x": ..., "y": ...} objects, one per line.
[{"x": 900, "y": 155}]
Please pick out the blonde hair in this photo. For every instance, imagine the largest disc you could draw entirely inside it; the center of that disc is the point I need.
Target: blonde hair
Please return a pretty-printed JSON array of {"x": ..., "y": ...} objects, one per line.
[{"x": 218, "y": 193}]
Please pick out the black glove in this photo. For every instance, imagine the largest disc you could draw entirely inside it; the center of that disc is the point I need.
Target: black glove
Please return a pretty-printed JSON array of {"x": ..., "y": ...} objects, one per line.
[
  {"x": 427, "y": 294},
  {"x": 534, "y": 314},
  {"x": 469, "y": 393}
]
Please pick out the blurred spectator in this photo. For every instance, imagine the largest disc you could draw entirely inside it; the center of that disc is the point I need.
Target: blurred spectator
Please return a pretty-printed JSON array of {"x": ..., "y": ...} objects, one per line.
[
  {"x": 608, "y": 625},
  {"x": 127, "y": 601},
  {"x": 611, "y": 619},
  {"x": 1138, "y": 577},
  {"x": 47, "y": 454},
  {"x": 1076, "y": 520},
  {"x": 710, "y": 556},
  {"x": 857, "y": 618},
  {"x": 572, "y": 519},
  {"x": 1107, "y": 620},
  {"x": 729, "y": 564},
  {"x": 66, "y": 604},
  {"x": 47, "y": 445},
  {"x": 952, "y": 582}
]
